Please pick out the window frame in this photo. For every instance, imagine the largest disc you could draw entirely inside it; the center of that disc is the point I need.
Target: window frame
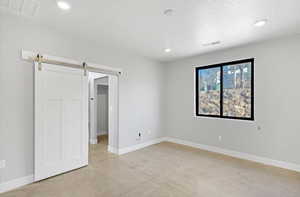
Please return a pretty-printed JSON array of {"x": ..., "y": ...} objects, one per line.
[{"x": 221, "y": 65}]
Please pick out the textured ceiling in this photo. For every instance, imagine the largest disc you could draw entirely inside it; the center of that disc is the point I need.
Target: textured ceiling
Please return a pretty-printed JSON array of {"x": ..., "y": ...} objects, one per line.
[
  {"x": 28, "y": 8},
  {"x": 141, "y": 26}
]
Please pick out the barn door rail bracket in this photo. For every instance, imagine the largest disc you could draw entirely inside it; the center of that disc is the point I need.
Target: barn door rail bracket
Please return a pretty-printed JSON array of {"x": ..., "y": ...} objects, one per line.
[
  {"x": 39, "y": 60},
  {"x": 84, "y": 65}
]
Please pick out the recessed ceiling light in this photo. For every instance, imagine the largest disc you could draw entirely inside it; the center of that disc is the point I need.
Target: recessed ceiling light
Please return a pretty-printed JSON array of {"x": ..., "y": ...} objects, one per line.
[
  {"x": 260, "y": 23},
  {"x": 167, "y": 50},
  {"x": 63, "y": 5}
]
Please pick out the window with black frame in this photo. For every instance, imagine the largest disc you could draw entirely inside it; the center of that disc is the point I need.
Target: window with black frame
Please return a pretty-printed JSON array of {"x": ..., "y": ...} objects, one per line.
[{"x": 226, "y": 90}]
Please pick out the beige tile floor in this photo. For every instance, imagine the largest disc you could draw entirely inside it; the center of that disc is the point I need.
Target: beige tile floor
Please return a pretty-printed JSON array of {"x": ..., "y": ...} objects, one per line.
[{"x": 167, "y": 170}]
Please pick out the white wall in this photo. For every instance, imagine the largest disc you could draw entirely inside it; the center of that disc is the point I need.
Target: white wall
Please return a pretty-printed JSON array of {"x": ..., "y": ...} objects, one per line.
[
  {"x": 140, "y": 89},
  {"x": 102, "y": 81},
  {"x": 277, "y": 96}
]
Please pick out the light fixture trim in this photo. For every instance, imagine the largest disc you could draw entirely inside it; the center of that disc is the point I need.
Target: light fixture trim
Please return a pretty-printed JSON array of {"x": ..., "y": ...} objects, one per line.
[
  {"x": 63, "y": 5},
  {"x": 260, "y": 23}
]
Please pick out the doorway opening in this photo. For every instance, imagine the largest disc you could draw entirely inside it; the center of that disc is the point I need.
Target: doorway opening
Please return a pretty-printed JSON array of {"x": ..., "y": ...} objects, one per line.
[
  {"x": 103, "y": 98},
  {"x": 101, "y": 104}
]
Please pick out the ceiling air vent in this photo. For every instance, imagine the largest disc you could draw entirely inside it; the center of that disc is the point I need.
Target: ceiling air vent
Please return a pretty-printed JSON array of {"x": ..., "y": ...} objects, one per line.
[
  {"x": 212, "y": 43},
  {"x": 21, "y": 7}
]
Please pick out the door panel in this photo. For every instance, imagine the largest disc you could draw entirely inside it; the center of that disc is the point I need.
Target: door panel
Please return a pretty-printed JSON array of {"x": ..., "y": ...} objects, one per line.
[
  {"x": 61, "y": 120},
  {"x": 52, "y": 131},
  {"x": 73, "y": 113}
]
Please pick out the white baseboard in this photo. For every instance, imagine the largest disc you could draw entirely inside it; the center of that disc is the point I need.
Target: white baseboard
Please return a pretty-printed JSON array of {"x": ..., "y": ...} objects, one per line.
[
  {"x": 13, "y": 184},
  {"x": 281, "y": 164},
  {"x": 140, "y": 146},
  {"x": 240, "y": 155},
  {"x": 112, "y": 150},
  {"x": 93, "y": 141}
]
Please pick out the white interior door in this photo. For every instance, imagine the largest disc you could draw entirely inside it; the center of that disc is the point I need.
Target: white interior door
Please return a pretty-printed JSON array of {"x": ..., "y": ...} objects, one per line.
[{"x": 61, "y": 120}]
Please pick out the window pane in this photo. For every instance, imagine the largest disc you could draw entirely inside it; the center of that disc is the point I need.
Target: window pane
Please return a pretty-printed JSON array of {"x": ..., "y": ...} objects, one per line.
[
  {"x": 237, "y": 90},
  {"x": 209, "y": 91}
]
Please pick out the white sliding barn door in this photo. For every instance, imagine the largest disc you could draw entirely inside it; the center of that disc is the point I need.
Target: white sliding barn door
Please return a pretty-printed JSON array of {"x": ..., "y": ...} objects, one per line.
[{"x": 61, "y": 120}]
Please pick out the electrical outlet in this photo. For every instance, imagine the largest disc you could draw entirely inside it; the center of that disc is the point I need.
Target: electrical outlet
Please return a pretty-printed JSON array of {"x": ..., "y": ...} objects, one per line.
[
  {"x": 220, "y": 138},
  {"x": 149, "y": 132},
  {"x": 258, "y": 127},
  {"x": 2, "y": 164}
]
